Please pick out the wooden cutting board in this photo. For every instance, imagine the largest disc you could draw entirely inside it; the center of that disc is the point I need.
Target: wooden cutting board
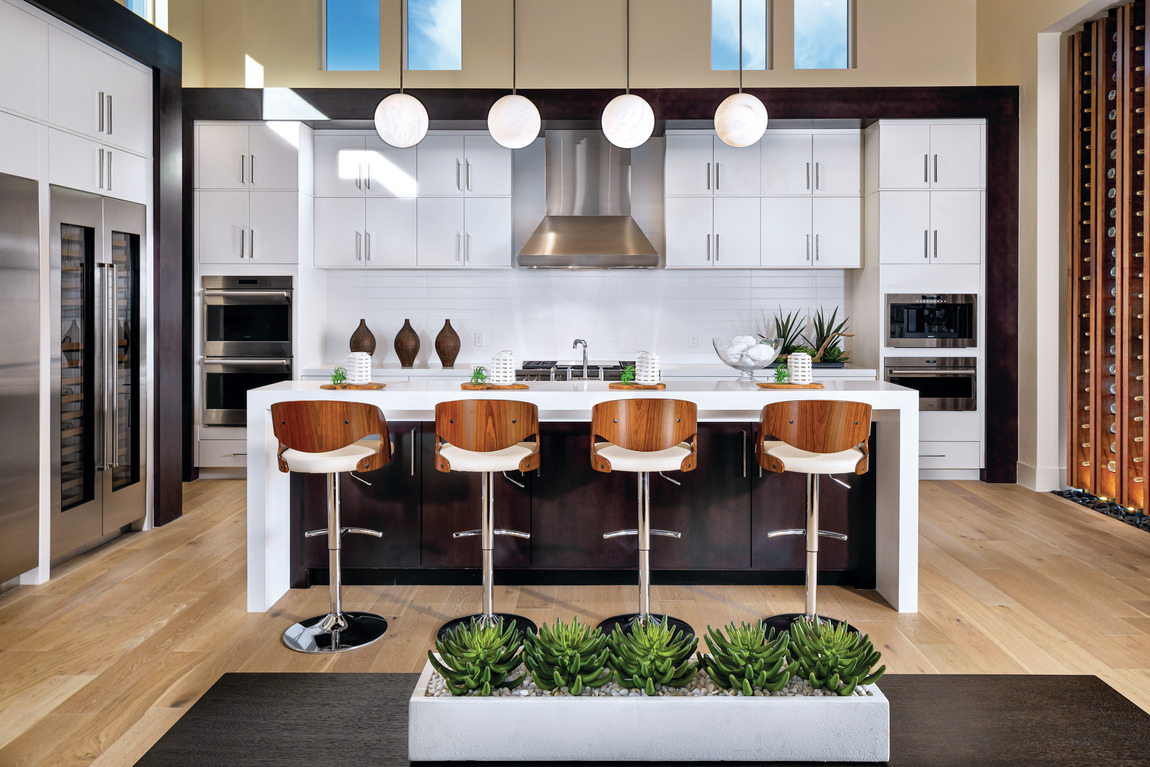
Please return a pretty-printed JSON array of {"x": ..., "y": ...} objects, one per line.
[
  {"x": 790, "y": 386},
  {"x": 619, "y": 385},
  {"x": 480, "y": 387},
  {"x": 354, "y": 386}
]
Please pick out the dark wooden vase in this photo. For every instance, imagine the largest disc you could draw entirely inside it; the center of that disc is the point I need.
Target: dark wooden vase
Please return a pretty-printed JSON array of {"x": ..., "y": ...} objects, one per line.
[
  {"x": 406, "y": 344},
  {"x": 447, "y": 345},
  {"x": 362, "y": 340}
]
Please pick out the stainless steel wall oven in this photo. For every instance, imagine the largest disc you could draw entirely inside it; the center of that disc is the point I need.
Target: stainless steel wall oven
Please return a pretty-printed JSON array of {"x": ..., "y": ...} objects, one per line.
[
  {"x": 946, "y": 320},
  {"x": 943, "y": 383}
]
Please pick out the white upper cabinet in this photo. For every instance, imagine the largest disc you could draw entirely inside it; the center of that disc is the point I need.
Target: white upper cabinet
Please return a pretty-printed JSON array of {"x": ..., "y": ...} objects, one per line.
[
  {"x": 247, "y": 227},
  {"x": 23, "y": 54},
  {"x": 351, "y": 233},
  {"x": 927, "y": 155},
  {"x": 821, "y": 232},
  {"x": 98, "y": 95},
  {"x": 930, "y": 227},
  {"x": 20, "y": 149},
  {"x": 242, "y": 156},
  {"x": 473, "y": 233},
  {"x": 456, "y": 166},
  {"x": 811, "y": 162},
  {"x": 358, "y": 165},
  {"x": 701, "y": 164},
  {"x": 79, "y": 163},
  {"x": 706, "y": 232},
  {"x": 836, "y": 223}
]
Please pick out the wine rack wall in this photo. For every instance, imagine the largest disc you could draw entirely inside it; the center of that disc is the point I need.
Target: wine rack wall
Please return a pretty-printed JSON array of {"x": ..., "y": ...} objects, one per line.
[{"x": 1107, "y": 245}]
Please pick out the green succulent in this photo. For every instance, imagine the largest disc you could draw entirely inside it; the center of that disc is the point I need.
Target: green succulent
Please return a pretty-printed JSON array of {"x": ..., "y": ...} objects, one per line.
[
  {"x": 628, "y": 375},
  {"x": 478, "y": 657},
  {"x": 833, "y": 657},
  {"x": 746, "y": 658},
  {"x": 825, "y": 343},
  {"x": 650, "y": 653},
  {"x": 782, "y": 374},
  {"x": 568, "y": 655},
  {"x": 338, "y": 376},
  {"x": 479, "y": 375},
  {"x": 788, "y": 327}
]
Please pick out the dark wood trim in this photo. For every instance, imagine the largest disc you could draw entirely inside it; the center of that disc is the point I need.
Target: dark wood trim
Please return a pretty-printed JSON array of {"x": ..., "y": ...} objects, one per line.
[
  {"x": 997, "y": 104},
  {"x": 117, "y": 27}
]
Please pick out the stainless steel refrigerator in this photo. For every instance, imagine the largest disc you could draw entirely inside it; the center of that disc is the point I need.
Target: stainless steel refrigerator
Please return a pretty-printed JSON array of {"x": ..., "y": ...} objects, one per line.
[
  {"x": 98, "y": 367},
  {"x": 19, "y": 375}
]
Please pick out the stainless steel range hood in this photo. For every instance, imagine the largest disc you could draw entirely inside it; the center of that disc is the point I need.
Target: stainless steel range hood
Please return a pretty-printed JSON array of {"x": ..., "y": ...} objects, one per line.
[{"x": 588, "y": 223}]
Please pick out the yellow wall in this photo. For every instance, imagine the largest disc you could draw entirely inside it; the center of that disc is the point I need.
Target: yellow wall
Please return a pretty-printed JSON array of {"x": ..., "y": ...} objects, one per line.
[{"x": 573, "y": 44}]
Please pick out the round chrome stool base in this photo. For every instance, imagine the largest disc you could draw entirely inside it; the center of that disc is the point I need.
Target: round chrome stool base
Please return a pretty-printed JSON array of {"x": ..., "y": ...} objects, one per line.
[
  {"x": 521, "y": 624},
  {"x": 781, "y": 623},
  {"x": 311, "y": 636},
  {"x": 626, "y": 621}
]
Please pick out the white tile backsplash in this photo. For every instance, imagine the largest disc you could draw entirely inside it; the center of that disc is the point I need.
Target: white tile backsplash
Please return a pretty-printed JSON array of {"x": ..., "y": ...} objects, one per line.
[{"x": 537, "y": 314}]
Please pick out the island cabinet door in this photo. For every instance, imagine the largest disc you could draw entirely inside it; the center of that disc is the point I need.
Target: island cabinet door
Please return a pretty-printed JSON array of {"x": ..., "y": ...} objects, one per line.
[
  {"x": 712, "y": 506},
  {"x": 573, "y": 505},
  {"x": 390, "y": 505},
  {"x": 452, "y": 502},
  {"x": 778, "y": 502}
]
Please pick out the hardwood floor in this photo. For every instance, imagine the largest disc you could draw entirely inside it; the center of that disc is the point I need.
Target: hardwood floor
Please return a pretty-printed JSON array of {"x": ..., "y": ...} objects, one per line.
[{"x": 98, "y": 663}]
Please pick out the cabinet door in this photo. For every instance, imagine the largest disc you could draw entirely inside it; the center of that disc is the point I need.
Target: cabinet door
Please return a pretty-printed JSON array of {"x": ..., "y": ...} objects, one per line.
[
  {"x": 390, "y": 232},
  {"x": 23, "y": 43},
  {"x": 128, "y": 106},
  {"x": 339, "y": 223},
  {"x": 957, "y": 158},
  {"x": 737, "y": 232},
  {"x": 440, "y": 166},
  {"x": 74, "y": 70},
  {"x": 223, "y": 228},
  {"x": 689, "y": 228},
  {"x": 488, "y": 237},
  {"x": 736, "y": 168},
  {"x": 837, "y": 164},
  {"x": 836, "y": 223},
  {"x": 904, "y": 227},
  {"x": 273, "y": 157},
  {"x": 222, "y": 149},
  {"x": 486, "y": 167},
  {"x": 126, "y": 175},
  {"x": 904, "y": 156},
  {"x": 956, "y": 218},
  {"x": 689, "y": 165},
  {"x": 75, "y": 162},
  {"x": 786, "y": 232},
  {"x": 273, "y": 228},
  {"x": 339, "y": 166},
  {"x": 785, "y": 160},
  {"x": 20, "y": 149},
  {"x": 390, "y": 171},
  {"x": 440, "y": 227}
]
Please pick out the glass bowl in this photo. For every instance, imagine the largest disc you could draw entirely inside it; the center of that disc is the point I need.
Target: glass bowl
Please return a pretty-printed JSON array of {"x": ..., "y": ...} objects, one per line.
[{"x": 747, "y": 353}]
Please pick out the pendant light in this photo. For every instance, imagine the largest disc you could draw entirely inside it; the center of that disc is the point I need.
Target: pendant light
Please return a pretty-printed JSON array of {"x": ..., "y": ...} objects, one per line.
[
  {"x": 628, "y": 120},
  {"x": 400, "y": 119},
  {"x": 513, "y": 120},
  {"x": 741, "y": 119}
]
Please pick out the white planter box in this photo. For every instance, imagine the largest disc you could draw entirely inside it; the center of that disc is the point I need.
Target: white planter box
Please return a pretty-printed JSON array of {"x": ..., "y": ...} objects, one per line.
[{"x": 714, "y": 728}]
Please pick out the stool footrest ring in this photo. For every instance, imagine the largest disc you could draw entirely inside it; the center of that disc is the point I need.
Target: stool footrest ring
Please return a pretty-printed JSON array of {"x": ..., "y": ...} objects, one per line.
[
  {"x": 802, "y": 531},
  {"x": 344, "y": 531}
]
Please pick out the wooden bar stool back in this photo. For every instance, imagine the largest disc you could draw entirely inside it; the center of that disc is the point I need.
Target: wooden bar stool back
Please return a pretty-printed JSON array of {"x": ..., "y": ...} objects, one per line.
[
  {"x": 642, "y": 436},
  {"x": 813, "y": 437},
  {"x": 486, "y": 436},
  {"x": 331, "y": 437}
]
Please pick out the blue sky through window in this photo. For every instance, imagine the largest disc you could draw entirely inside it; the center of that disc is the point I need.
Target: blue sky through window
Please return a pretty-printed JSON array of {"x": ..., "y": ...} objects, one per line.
[
  {"x": 822, "y": 34},
  {"x": 725, "y": 34},
  {"x": 352, "y": 43},
  {"x": 139, "y": 7},
  {"x": 435, "y": 34}
]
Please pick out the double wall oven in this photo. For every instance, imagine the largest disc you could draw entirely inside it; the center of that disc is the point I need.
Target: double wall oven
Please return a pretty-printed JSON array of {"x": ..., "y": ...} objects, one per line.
[
  {"x": 934, "y": 321},
  {"x": 247, "y": 336}
]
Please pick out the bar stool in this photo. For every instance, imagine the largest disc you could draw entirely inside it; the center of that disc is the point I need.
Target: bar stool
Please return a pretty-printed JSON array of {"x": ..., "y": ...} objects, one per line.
[
  {"x": 644, "y": 435},
  {"x": 331, "y": 437},
  {"x": 812, "y": 437},
  {"x": 487, "y": 435}
]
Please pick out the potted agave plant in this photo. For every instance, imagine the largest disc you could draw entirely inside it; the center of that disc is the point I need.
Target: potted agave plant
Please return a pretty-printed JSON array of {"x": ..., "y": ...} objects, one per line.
[{"x": 650, "y": 694}]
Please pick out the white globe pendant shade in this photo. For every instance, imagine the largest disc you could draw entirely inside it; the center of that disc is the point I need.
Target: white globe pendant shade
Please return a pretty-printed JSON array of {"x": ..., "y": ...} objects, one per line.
[
  {"x": 628, "y": 121},
  {"x": 401, "y": 120},
  {"x": 740, "y": 120},
  {"x": 513, "y": 121}
]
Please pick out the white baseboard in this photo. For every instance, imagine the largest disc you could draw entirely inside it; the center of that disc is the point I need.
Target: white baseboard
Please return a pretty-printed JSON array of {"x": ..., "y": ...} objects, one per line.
[
  {"x": 948, "y": 474},
  {"x": 1041, "y": 479}
]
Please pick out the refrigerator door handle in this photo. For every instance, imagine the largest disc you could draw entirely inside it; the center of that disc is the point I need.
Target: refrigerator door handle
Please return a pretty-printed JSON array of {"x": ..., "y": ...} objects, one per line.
[{"x": 112, "y": 361}]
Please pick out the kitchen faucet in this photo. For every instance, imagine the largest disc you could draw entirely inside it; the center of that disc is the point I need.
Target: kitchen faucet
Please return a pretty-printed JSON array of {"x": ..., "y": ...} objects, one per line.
[{"x": 575, "y": 343}]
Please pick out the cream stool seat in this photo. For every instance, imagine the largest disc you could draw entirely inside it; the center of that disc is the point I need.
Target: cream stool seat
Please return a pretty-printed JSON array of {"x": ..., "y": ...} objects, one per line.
[
  {"x": 622, "y": 459},
  {"x": 332, "y": 437},
  {"x": 806, "y": 462},
  {"x": 486, "y": 436}
]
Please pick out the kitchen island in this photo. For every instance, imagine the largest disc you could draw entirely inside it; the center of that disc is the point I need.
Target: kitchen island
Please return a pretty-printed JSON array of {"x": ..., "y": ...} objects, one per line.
[{"x": 895, "y": 463}]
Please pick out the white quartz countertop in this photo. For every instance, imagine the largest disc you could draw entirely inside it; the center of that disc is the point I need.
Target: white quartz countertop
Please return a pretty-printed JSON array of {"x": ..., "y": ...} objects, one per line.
[{"x": 717, "y": 370}]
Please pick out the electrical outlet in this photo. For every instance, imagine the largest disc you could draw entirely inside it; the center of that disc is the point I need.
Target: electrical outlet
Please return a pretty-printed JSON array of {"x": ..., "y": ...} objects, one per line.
[
  {"x": 480, "y": 341},
  {"x": 692, "y": 342}
]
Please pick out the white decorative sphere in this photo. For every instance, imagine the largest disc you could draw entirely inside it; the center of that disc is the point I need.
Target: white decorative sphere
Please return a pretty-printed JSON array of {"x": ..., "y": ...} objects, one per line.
[
  {"x": 401, "y": 120},
  {"x": 513, "y": 121},
  {"x": 628, "y": 121},
  {"x": 741, "y": 119}
]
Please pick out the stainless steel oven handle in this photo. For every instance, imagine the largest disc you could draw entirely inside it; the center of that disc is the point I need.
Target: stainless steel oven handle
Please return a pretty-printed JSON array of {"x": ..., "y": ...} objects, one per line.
[
  {"x": 930, "y": 373},
  {"x": 248, "y": 293},
  {"x": 244, "y": 361}
]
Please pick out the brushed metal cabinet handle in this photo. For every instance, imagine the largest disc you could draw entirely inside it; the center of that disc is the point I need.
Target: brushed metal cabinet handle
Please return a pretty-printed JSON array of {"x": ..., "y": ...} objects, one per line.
[
  {"x": 359, "y": 176},
  {"x": 458, "y": 172},
  {"x": 808, "y": 258},
  {"x": 367, "y": 246},
  {"x": 252, "y": 244},
  {"x": 469, "y": 175},
  {"x": 413, "y": 452},
  {"x": 467, "y": 251},
  {"x": 744, "y": 433},
  {"x": 808, "y": 175},
  {"x": 100, "y": 112},
  {"x": 817, "y": 184},
  {"x": 358, "y": 246},
  {"x": 926, "y": 243},
  {"x": 109, "y": 170},
  {"x": 458, "y": 246},
  {"x": 716, "y": 179},
  {"x": 708, "y": 243},
  {"x": 109, "y": 114},
  {"x": 708, "y": 177},
  {"x": 926, "y": 169},
  {"x": 716, "y": 248},
  {"x": 243, "y": 241},
  {"x": 817, "y": 237},
  {"x": 100, "y": 168},
  {"x": 252, "y": 168},
  {"x": 936, "y": 168},
  {"x": 936, "y": 243}
]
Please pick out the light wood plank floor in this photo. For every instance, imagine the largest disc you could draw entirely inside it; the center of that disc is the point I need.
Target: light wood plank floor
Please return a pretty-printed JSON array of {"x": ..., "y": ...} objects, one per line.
[{"x": 97, "y": 664}]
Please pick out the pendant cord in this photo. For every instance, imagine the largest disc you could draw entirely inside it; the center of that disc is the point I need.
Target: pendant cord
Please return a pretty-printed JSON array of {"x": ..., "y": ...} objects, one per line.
[
  {"x": 514, "y": 41},
  {"x": 629, "y": 45},
  {"x": 401, "y": 44},
  {"x": 740, "y": 46}
]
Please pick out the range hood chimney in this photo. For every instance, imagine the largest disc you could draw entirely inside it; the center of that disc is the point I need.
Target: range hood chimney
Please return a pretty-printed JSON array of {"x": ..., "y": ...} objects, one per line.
[{"x": 588, "y": 223}]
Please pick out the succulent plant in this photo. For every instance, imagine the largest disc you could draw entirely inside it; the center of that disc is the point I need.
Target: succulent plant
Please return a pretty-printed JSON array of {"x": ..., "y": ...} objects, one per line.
[
  {"x": 833, "y": 656},
  {"x": 478, "y": 657},
  {"x": 782, "y": 374},
  {"x": 650, "y": 653},
  {"x": 747, "y": 657},
  {"x": 825, "y": 343},
  {"x": 788, "y": 327},
  {"x": 568, "y": 655},
  {"x": 338, "y": 376},
  {"x": 479, "y": 375}
]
